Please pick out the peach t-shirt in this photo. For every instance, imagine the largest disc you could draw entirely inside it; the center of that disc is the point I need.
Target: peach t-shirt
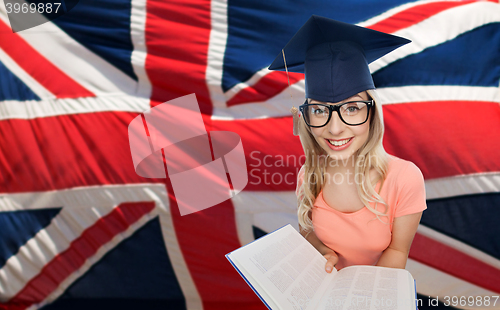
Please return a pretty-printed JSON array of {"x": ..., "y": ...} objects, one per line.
[{"x": 355, "y": 237}]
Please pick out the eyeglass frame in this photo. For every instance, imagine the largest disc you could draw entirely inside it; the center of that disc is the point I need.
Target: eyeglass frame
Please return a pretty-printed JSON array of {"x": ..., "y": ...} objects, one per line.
[{"x": 336, "y": 108}]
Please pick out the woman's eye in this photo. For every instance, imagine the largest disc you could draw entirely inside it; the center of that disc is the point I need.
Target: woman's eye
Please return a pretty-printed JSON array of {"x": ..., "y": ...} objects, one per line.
[
  {"x": 352, "y": 109},
  {"x": 318, "y": 111}
]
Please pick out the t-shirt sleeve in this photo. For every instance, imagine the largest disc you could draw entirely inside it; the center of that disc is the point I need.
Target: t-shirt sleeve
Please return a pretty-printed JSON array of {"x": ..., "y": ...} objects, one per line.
[
  {"x": 411, "y": 193},
  {"x": 300, "y": 179}
]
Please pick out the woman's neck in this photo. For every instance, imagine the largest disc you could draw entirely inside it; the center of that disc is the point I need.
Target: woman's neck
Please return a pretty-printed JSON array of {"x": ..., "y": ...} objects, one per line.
[{"x": 340, "y": 165}]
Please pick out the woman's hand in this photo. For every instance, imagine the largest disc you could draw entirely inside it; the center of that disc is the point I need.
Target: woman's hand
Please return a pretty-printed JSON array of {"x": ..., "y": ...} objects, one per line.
[
  {"x": 330, "y": 255},
  {"x": 331, "y": 260}
]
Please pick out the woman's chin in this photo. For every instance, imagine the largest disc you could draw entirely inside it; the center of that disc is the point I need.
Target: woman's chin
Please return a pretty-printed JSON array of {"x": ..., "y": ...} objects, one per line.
[
  {"x": 344, "y": 154},
  {"x": 340, "y": 157}
]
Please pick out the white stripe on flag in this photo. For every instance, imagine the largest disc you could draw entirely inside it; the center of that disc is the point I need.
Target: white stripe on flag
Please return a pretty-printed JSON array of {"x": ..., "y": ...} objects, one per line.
[
  {"x": 408, "y": 94},
  {"x": 280, "y": 105},
  {"x": 248, "y": 83},
  {"x": 216, "y": 50},
  {"x": 460, "y": 185},
  {"x": 277, "y": 106},
  {"x": 138, "y": 57},
  {"x": 12, "y": 109},
  {"x": 27, "y": 79}
]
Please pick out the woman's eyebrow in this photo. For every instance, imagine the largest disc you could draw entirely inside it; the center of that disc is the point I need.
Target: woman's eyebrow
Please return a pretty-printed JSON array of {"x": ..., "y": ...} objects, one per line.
[{"x": 354, "y": 98}]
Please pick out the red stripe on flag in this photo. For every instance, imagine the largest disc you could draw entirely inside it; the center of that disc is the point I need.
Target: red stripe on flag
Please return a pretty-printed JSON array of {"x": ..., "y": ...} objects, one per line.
[
  {"x": 444, "y": 138},
  {"x": 37, "y": 66},
  {"x": 81, "y": 249},
  {"x": 61, "y": 152},
  {"x": 267, "y": 87},
  {"x": 273, "y": 155},
  {"x": 415, "y": 15},
  {"x": 177, "y": 38},
  {"x": 205, "y": 237},
  {"x": 458, "y": 264}
]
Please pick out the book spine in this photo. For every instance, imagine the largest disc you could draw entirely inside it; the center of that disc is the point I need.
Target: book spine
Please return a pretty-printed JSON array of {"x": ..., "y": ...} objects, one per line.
[
  {"x": 248, "y": 282},
  {"x": 416, "y": 300}
]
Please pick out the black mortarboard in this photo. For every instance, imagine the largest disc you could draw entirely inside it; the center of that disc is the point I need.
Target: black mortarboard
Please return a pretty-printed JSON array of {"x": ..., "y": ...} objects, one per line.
[{"x": 334, "y": 57}]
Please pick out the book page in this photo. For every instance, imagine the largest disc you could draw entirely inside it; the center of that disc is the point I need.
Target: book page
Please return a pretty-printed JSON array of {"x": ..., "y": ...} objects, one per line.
[
  {"x": 285, "y": 265},
  {"x": 369, "y": 288}
]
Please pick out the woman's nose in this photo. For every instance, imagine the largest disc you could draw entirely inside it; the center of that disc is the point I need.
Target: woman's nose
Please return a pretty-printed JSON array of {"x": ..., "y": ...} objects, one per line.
[{"x": 336, "y": 126}]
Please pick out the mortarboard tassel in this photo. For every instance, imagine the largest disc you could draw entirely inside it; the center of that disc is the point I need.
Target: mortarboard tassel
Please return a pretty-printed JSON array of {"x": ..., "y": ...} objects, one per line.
[
  {"x": 295, "y": 114},
  {"x": 293, "y": 110}
]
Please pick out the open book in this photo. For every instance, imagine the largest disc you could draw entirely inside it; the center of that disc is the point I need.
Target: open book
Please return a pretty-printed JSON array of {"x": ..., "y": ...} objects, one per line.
[{"x": 287, "y": 272}]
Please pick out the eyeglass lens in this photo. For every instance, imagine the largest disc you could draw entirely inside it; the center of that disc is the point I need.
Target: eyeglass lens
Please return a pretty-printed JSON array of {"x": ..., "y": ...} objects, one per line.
[{"x": 352, "y": 113}]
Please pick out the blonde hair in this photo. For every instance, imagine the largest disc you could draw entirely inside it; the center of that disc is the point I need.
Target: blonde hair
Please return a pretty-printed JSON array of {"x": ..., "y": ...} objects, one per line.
[{"x": 370, "y": 155}]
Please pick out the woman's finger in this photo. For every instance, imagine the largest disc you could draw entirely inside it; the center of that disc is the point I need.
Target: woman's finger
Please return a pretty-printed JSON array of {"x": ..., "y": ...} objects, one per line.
[{"x": 331, "y": 261}]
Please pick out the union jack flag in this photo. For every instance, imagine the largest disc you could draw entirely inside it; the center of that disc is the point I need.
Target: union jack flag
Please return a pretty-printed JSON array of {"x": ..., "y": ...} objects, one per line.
[{"x": 80, "y": 229}]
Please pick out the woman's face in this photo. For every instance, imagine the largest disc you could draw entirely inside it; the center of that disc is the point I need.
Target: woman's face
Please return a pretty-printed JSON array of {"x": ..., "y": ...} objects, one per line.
[{"x": 338, "y": 139}]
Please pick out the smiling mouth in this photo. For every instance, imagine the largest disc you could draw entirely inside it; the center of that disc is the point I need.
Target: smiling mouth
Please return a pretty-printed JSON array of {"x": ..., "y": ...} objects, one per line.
[{"x": 339, "y": 143}]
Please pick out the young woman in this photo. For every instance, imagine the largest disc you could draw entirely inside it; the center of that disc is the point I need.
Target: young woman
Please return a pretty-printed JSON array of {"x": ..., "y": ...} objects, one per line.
[{"x": 357, "y": 205}]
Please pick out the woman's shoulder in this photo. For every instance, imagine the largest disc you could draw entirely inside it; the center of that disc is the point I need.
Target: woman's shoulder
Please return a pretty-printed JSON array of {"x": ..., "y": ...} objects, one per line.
[
  {"x": 402, "y": 169},
  {"x": 397, "y": 164},
  {"x": 406, "y": 187}
]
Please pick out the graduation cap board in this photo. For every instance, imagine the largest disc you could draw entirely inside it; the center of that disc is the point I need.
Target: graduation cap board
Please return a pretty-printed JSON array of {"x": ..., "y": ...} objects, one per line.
[{"x": 334, "y": 57}]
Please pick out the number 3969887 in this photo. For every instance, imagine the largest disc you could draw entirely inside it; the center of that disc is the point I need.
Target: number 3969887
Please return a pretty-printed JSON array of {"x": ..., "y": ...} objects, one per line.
[
  {"x": 32, "y": 7},
  {"x": 471, "y": 301}
]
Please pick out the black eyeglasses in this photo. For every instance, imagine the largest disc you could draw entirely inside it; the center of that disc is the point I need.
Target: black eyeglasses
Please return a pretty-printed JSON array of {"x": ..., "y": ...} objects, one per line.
[{"x": 352, "y": 113}]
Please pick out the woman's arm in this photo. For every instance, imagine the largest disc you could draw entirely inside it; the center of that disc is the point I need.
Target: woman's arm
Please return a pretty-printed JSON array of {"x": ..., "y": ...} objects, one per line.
[
  {"x": 403, "y": 231},
  {"x": 329, "y": 254}
]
